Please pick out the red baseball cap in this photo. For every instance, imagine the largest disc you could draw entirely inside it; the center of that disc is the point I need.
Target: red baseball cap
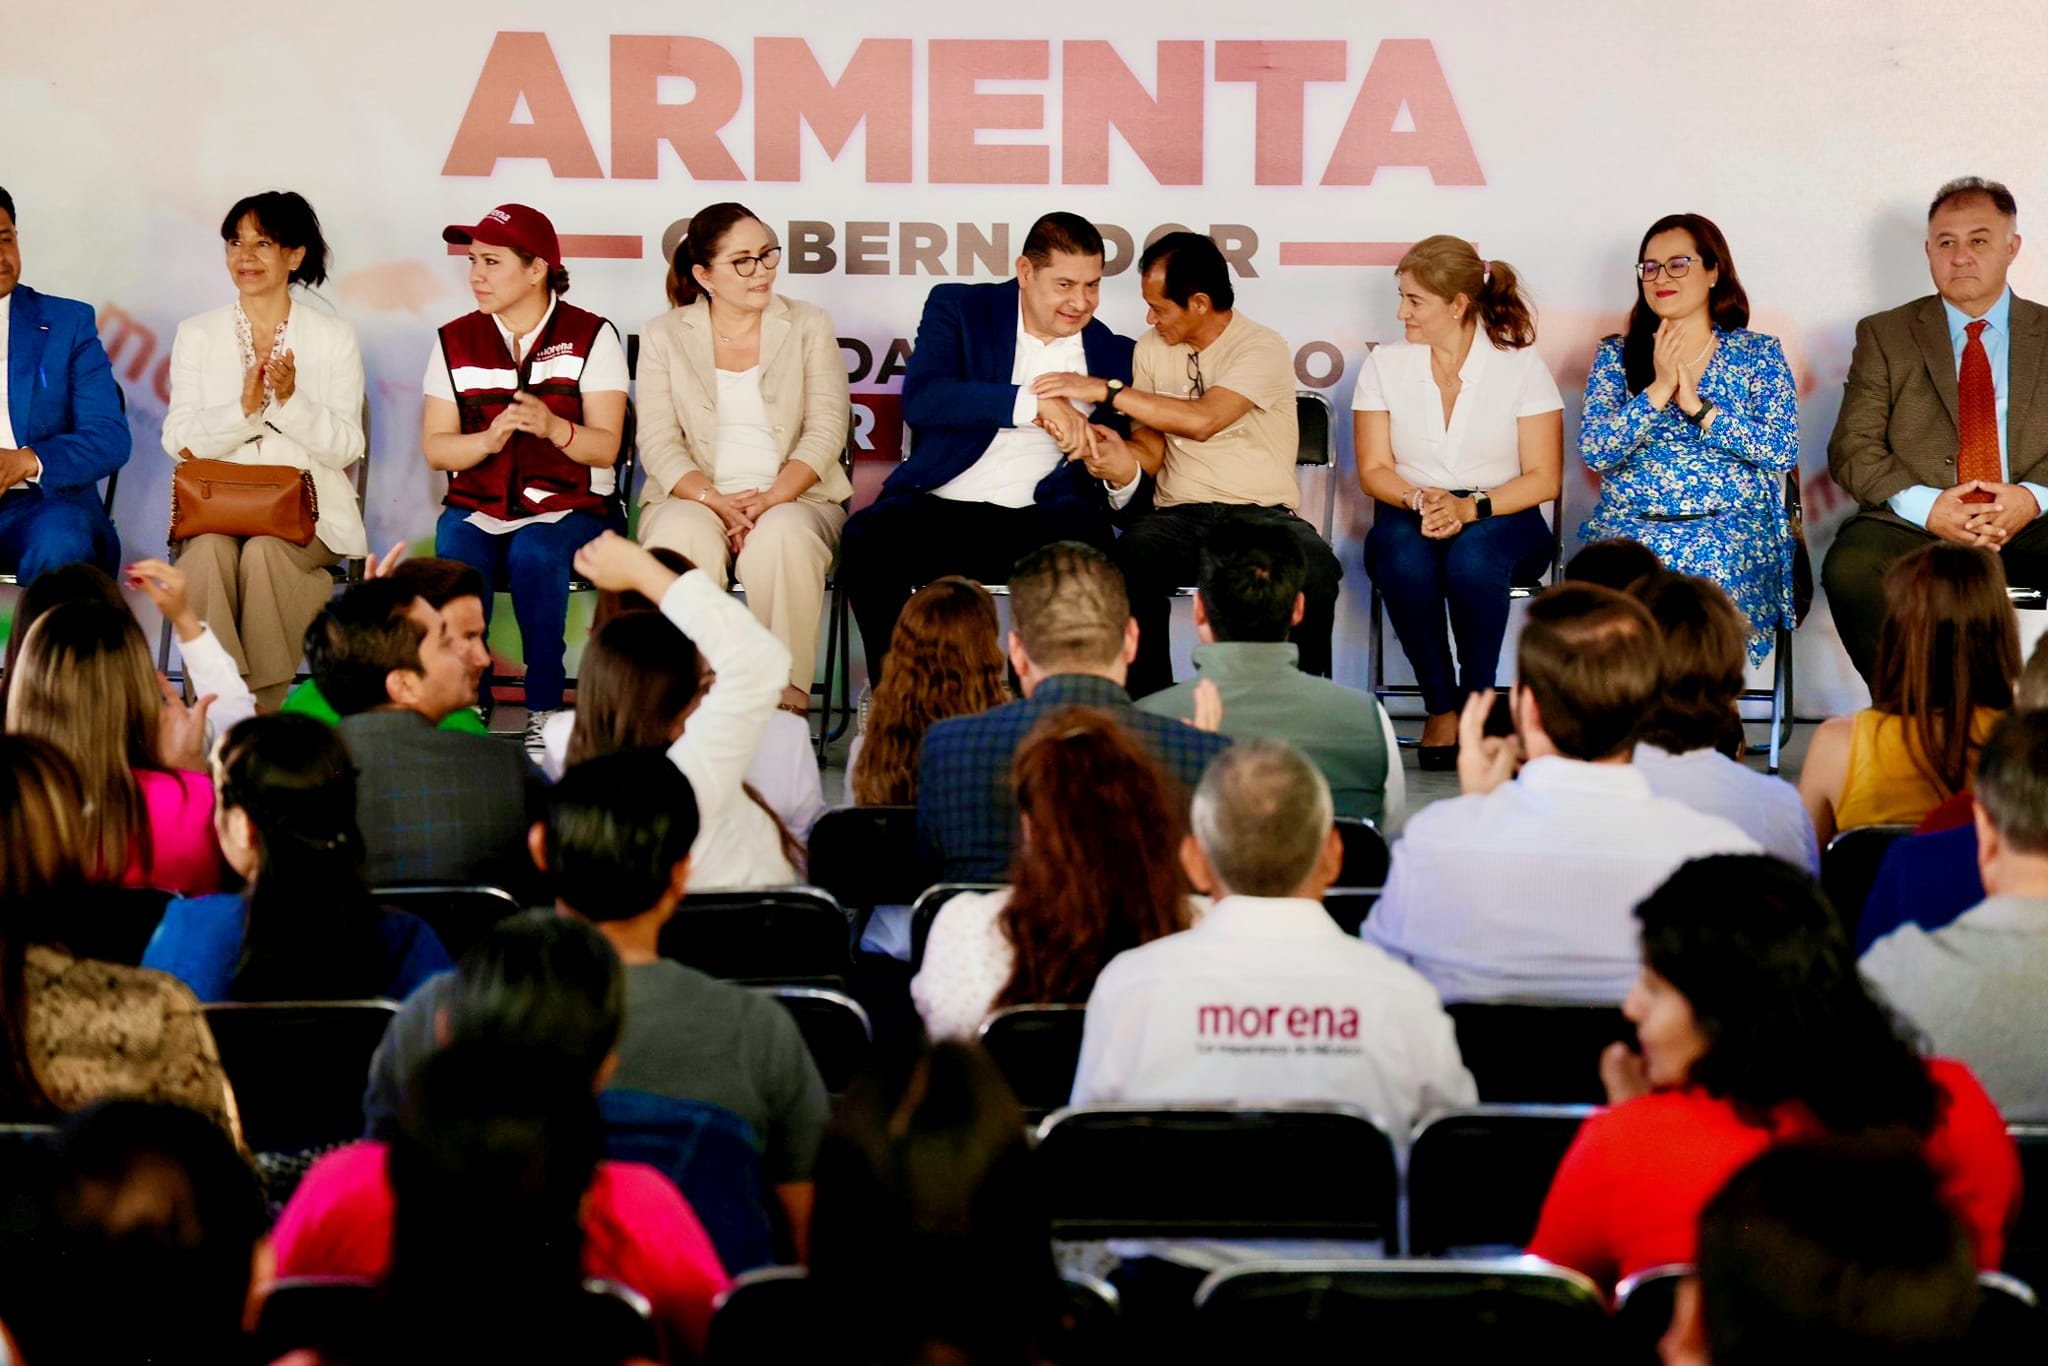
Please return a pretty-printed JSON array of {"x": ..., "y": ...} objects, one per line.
[{"x": 511, "y": 225}]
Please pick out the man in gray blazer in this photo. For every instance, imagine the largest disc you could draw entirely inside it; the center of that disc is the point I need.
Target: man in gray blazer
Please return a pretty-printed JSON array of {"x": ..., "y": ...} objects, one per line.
[
  {"x": 434, "y": 805},
  {"x": 1901, "y": 433}
]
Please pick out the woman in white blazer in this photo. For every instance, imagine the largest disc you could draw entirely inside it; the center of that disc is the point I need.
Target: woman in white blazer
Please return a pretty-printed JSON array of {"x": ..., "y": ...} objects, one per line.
[
  {"x": 742, "y": 420},
  {"x": 271, "y": 379}
]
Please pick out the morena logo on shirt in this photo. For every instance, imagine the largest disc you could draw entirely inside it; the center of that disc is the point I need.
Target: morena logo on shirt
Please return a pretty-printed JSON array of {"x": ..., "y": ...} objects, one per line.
[
  {"x": 558, "y": 349},
  {"x": 1276, "y": 1022}
]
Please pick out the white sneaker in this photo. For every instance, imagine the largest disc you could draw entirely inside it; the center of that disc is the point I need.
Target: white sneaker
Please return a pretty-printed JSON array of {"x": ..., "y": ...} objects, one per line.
[{"x": 536, "y": 721}]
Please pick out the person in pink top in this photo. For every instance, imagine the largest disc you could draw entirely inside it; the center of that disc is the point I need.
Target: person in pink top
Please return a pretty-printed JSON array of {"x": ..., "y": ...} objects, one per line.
[
  {"x": 84, "y": 681},
  {"x": 1755, "y": 1029},
  {"x": 434, "y": 1213}
]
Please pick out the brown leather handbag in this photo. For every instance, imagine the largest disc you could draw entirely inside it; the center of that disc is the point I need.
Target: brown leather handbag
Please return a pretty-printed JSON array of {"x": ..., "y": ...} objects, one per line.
[{"x": 221, "y": 498}]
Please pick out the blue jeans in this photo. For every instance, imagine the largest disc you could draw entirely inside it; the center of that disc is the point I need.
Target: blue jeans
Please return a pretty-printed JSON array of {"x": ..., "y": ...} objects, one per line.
[
  {"x": 39, "y": 531},
  {"x": 533, "y": 565},
  {"x": 1471, "y": 572}
]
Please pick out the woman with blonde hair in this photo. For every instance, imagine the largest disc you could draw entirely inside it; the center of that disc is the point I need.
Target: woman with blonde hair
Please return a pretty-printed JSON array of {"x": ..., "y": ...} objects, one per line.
[
  {"x": 953, "y": 665},
  {"x": 84, "y": 681},
  {"x": 1460, "y": 439},
  {"x": 1948, "y": 655}
]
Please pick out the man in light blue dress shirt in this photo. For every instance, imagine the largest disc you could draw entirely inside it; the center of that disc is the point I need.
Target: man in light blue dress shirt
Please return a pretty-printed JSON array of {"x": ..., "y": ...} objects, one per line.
[{"x": 1898, "y": 437}]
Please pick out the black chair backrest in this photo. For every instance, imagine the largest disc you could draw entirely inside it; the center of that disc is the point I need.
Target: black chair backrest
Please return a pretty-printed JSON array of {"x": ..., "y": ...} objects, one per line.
[
  {"x": 1537, "y": 1054},
  {"x": 835, "y": 1029},
  {"x": 2026, "y": 1245},
  {"x": 2009, "y": 1325},
  {"x": 781, "y": 934},
  {"x": 1396, "y": 1311},
  {"x": 115, "y": 924},
  {"x": 1218, "y": 1172},
  {"x": 1312, "y": 423},
  {"x": 1037, "y": 1049},
  {"x": 925, "y": 909},
  {"x": 324, "y": 1313},
  {"x": 1848, "y": 868},
  {"x": 1349, "y": 906},
  {"x": 1642, "y": 1311},
  {"x": 298, "y": 1068},
  {"x": 1366, "y": 855},
  {"x": 769, "y": 1315},
  {"x": 866, "y": 856},
  {"x": 1477, "y": 1178},
  {"x": 458, "y": 915}
]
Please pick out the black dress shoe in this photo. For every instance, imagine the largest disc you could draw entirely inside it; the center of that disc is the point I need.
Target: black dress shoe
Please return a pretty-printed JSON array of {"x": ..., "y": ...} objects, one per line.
[{"x": 1436, "y": 758}]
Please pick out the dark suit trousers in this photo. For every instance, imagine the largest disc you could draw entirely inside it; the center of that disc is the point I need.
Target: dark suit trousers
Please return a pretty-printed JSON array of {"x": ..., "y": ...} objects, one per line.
[
  {"x": 1160, "y": 552},
  {"x": 1865, "y": 547},
  {"x": 891, "y": 549}
]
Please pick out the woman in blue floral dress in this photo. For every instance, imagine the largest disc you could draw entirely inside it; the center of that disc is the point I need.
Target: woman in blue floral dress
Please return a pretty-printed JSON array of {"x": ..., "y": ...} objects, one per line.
[{"x": 1691, "y": 421}]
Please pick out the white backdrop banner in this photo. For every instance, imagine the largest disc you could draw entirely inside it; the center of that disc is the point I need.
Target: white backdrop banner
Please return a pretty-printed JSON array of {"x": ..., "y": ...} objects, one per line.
[{"x": 893, "y": 147}]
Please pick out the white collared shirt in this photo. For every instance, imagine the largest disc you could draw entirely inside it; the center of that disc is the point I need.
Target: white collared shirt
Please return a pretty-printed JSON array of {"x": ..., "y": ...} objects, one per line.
[
  {"x": 1480, "y": 447},
  {"x": 1767, "y": 808},
  {"x": 603, "y": 371},
  {"x": 1529, "y": 891},
  {"x": 6, "y": 420},
  {"x": 1267, "y": 1000},
  {"x": 1022, "y": 453}
]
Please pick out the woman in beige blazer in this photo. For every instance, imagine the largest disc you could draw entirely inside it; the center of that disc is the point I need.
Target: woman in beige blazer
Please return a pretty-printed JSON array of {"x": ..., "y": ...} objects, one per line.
[
  {"x": 743, "y": 411},
  {"x": 271, "y": 379}
]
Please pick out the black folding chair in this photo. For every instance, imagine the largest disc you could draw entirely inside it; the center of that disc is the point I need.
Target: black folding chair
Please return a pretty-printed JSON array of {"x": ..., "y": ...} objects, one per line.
[
  {"x": 1299, "y": 1171},
  {"x": 1535, "y": 1053},
  {"x": 115, "y": 924},
  {"x": 1037, "y": 1049},
  {"x": 1366, "y": 855},
  {"x": 866, "y": 856},
  {"x": 1477, "y": 1178},
  {"x": 2009, "y": 1325},
  {"x": 1848, "y": 868},
  {"x": 1350, "y": 906},
  {"x": 1346, "y": 1311},
  {"x": 2026, "y": 1246},
  {"x": 324, "y": 1313},
  {"x": 925, "y": 909},
  {"x": 835, "y": 1029},
  {"x": 459, "y": 915},
  {"x": 790, "y": 935},
  {"x": 298, "y": 1068},
  {"x": 1642, "y": 1311}
]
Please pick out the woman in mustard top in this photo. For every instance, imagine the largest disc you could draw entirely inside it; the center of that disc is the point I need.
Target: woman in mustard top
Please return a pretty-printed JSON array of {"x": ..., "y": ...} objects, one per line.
[{"x": 1947, "y": 658}]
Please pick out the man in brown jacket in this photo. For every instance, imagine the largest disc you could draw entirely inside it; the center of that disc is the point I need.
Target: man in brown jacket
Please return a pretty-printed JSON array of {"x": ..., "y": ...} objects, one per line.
[{"x": 1913, "y": 443}]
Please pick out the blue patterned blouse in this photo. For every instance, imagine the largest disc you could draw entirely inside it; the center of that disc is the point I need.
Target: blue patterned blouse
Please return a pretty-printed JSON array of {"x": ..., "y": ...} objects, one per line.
[{"x": 1657, "y": 465}]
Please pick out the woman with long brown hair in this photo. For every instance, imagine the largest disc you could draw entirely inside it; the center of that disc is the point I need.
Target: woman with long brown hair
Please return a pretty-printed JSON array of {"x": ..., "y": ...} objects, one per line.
[
  {"x": 1460, "y": 439},
  {"x": 1082, "y": 889},
  {"x": 76, "y": 1030},
  {"x": 641, "y": 682},
  {"x": 952, "y": 665},
  {"x": 1948, "y": 655},
  {"x": 84, "y": 681},
  {"x": 1692, "y": 422}
]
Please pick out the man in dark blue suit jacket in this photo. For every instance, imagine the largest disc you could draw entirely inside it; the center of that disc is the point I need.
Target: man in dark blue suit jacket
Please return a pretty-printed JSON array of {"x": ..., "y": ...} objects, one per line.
[
  {"x": 1072, "y": 643},
  {"x": 994, "y": 472},
  {"x": 62, "y": 429}
]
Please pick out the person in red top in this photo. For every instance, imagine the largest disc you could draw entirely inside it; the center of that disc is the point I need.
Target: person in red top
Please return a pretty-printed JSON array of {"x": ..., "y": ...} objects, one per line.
[
  {"x": 550, "y": 987},
  {"x": 1755, "y": 1029}
]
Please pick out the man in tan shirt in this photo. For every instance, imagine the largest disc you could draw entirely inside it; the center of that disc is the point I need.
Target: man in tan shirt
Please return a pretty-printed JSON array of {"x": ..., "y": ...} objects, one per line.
[{"x": 1211, "y": 404}]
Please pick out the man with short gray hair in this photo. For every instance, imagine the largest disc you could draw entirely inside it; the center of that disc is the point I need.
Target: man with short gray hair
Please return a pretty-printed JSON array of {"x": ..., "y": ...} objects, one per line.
[
  {"x": 1973, "y": 986},
  {"x": 1266, "y": 998}
]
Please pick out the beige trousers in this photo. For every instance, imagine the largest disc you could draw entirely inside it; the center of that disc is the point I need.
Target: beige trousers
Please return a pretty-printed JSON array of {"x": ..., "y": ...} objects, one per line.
[
  {"x": 259, "y": 595},
  {"x": 783, "y": 565}
]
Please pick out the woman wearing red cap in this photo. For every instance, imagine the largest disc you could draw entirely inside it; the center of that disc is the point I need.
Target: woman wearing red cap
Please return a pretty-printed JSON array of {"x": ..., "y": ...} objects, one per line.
[{"x": 525, "y": 407}]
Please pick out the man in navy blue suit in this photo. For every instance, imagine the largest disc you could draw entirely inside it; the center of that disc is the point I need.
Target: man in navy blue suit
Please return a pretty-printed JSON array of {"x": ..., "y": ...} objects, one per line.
[
  {"x": 995, "y": 471},
  {"x": 62, "y": 429}
]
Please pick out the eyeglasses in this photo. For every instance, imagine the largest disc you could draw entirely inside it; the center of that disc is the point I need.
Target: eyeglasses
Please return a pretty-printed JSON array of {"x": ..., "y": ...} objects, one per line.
[
  {"x": 1195, "y": 374},
  {"x": 1675, "y": 268},
  {"x": 746, "y": 265}
]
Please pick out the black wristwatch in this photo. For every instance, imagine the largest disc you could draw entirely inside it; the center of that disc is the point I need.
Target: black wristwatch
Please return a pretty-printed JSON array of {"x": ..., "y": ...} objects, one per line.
[
  {"x": 1698, "y": 419},
  {"x": 1482, "y": 505},
  {"x": 1115, "y": 387}
]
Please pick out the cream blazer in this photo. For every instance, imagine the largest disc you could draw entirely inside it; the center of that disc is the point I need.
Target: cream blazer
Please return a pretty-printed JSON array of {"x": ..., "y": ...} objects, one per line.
[
  {"x": 803, "y": 386},
  {"x": 319, "y": 428}
]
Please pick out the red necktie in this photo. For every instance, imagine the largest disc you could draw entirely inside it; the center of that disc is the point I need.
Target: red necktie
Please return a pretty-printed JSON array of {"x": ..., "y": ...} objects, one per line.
[{"x": 1977, "y": 453}]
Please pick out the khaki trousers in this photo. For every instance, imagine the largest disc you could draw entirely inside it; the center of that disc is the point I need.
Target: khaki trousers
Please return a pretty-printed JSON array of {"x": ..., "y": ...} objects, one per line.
[
  {"x": 783, "y": 565},
  {"x": 259, "y": 595}
]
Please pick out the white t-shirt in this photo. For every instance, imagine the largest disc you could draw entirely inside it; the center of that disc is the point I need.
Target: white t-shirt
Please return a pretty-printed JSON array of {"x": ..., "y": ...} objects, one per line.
[
  {"x": 1480, "y": 448},
  {"x": 1022, "y": 453},
  {"x": 603, "y": 371},
  {"x": 749, "y": 456}
]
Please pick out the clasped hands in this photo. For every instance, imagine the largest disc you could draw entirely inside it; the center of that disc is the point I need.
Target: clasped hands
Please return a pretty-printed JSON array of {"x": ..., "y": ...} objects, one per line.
[
  {"x": 1993, "y": 524},
  {"x": 1104, "y": 453},
  {"x": 282, "y": 372},
  {"x": 1443, "y": 513},
  {"x": 1674, "y": 379},
  {"x": 525, "y": 413}
]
